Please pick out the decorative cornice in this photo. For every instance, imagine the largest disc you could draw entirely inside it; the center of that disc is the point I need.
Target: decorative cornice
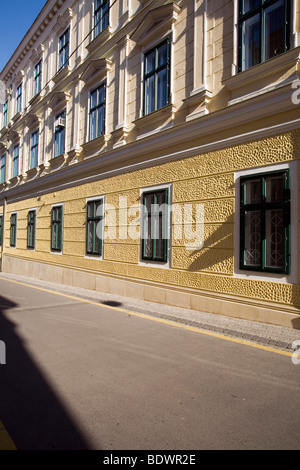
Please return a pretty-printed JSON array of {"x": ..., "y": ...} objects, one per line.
[
  {"x": 13, "y": 135},
  {"x": 63, "y": 21},
  {"x": 37, "y": 54},
  {"x": 46, "y": 15},
  {"x": 32, "y": 120},
  {"x": 155, "y": 22},
  {"x": 58, "y": 99},
  {"x": 96, "y": 70},
  {"x": 18, "y": 77}
]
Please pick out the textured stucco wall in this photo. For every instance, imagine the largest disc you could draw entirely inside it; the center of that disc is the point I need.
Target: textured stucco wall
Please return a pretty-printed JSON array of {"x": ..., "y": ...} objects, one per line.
[{"x": 206, "y": 179}]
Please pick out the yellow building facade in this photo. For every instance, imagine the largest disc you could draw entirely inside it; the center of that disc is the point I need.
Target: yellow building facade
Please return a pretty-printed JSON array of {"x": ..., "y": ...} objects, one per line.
[{"x": 150, "y": 149}]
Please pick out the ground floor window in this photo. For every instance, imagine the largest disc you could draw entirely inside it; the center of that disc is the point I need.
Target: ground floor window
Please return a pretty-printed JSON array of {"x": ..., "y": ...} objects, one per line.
[
  {"x": 265, "y": 222},
  {"x": 1, "y": 230},
  {"x": 155, "y": 225},
  {"x": 13, "y": 230},
  {"x": 56, "y": 228},
  {"x": 31, "y": 225},
  {"x": 94, "y": 226}
]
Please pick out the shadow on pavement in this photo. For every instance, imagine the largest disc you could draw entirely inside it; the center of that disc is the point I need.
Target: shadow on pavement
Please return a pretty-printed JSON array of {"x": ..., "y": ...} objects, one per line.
[{"x": 30, "y": 410}]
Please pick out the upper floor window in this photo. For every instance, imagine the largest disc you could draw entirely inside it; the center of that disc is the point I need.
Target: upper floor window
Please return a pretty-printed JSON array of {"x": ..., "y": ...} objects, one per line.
[
  {"x": 2, "y": 168},
  {"x": 5, "y": 113},
  {"x": 97, "y": 111},
  {"x": 265, "y": 222},
  {"x": 157, "y": 77},
  {"x": 264, "y": 30},
  {"x": 34, "y": 144},
  {"x": 19, "y": 99},
  {"x": 38, "y": 77},
  {"x": 63, "y": 49},
  {"x": 15, "y": 165},
  {"x": 59, "y": 134},
  {"x": 100, "y": 16}
]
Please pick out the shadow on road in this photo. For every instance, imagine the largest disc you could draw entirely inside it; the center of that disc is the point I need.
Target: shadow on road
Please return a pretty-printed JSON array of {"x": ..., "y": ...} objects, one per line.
[{"x": 29, "y": 408}]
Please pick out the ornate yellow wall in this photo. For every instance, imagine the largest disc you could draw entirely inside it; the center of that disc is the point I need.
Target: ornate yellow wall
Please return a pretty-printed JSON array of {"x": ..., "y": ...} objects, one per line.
[{"x": 206, "y": 179}]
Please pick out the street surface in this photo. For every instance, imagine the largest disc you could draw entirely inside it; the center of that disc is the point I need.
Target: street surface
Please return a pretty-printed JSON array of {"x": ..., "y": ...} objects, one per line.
[{"x": 81, "y": 375}]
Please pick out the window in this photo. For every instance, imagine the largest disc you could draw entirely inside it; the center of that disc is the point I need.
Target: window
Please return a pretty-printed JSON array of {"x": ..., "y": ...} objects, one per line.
[
  {"x": 19, "y": 98},
  {"x": 2, "y": 169},
  {"x": 155, "y": 225},
  {"x": 1, "y": 229},
  {"x": 94, "y": 227},
  {"x": 100, "y": 16},
  {"x": 5, "y": 113},
  {"x": 31, "y": 224},
  {"x": 38, "y": 78},
  {"x": 59, "y": 134},
  {"x": 63, "y": 49},
  {"x": 13, "y": 229},
  {"x": 56, "y": 228},
  {"x": 265, "y": 222},
  {"x": 264, "y": 29},
  {"x": 15, "y": 165},
  {"x": 34, "y": 143},
  {"x": 97, "y": 111},
  {"x": 157, "y": 77}
]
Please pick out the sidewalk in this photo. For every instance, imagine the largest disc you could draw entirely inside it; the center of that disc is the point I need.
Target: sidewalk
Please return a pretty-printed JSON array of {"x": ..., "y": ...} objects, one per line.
[{"x": 260, "y": 333}]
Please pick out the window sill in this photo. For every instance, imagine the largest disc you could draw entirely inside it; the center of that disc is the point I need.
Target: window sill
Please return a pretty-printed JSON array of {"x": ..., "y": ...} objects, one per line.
[
  {"x": 96, "y": 42},
  {"x": 14, "y": 181},
  {"x": 61, "y": 74},
  {"x": 156, "y": 120},
  {"x": 17, "y": 116},
  {"x": 95, "y": 146},
  {"x": 58, "y": 162},
  {"x": 196, "y": 103},
  {"x": 264, "y": 77},
  {"x": 3, "y": 131},
  {"x": 35, "y": 99}
]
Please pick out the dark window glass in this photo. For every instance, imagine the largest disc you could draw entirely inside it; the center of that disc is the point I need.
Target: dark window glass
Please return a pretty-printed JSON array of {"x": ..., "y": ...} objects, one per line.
[
  {"x": 155, "y": 225},
  {"x": 265, "y": 222},
  {"x": 63, "y": 49},
  {"x": 97, "y": 112},
  {"x": 31, "y": 222},
  {"x": 56, "y": 228},
  {"x": 264, "y": 29},
  {"x": 100, "y": 16},
  {"x": 157, "y": 77},
  {"x": 94, "y": 227},
  {"x": 13, "y": 230}
]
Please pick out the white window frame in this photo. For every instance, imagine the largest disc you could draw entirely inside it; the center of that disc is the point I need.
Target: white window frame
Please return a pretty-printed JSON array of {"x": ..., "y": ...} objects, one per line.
[
  {"x": 291, "y": 278},
  {"x": 16, "y": 214},
  {"x": 153, "y": 263},
  {"x": 57, "y": 252},
  {"x": 92, "y": 88},
  {"x": 32, "y": 209},
  {"x": 147, "y": 48},
  {"x": 88, "y": 255}
]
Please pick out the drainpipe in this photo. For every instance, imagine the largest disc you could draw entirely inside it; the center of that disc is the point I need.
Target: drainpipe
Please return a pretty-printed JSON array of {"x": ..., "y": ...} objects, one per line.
[{"x": 3, "y": 238}]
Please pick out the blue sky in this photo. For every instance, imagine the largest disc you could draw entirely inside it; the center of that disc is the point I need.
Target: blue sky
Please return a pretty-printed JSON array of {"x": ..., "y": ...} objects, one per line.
[{"x": 16, "y": 17}]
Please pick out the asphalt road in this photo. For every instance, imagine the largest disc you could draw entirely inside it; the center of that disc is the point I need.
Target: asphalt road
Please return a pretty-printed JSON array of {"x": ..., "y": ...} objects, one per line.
[{"x": 80, "y": 375}]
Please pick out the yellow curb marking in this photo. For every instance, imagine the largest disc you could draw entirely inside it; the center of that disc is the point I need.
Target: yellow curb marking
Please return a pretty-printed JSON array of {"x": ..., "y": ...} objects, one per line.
[{"x": 160, "y": 320}]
